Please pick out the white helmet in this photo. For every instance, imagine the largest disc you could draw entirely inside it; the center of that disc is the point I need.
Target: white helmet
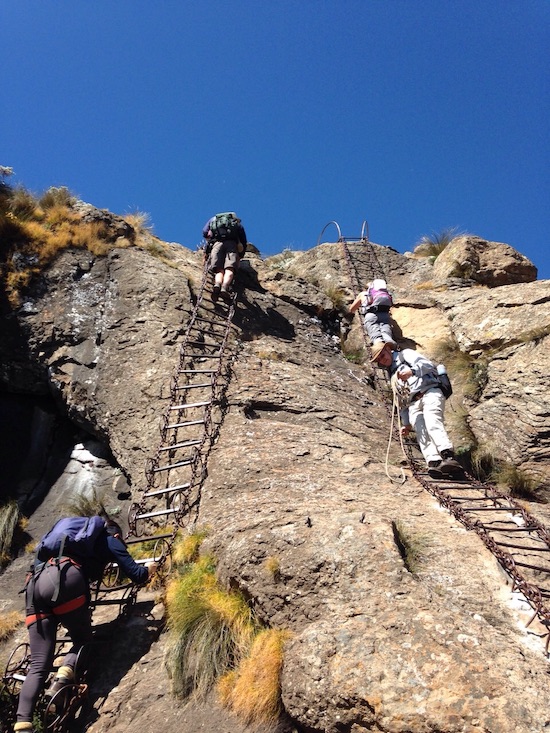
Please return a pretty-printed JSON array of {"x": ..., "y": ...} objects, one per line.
[{"x": 379, "y": 284}]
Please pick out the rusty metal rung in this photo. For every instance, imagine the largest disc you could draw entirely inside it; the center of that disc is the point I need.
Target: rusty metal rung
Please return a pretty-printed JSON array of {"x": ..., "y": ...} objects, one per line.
[
  {"x": 197, "y": 371},
  {"x": 168, "y": 490},
  {"x": 170, "y": 466},
  {"x": 158, "y": 513},
  {"x": 190, "y": 405},
  {"x": 185, "y": 444},
  {"x": 186, "y": 424}
]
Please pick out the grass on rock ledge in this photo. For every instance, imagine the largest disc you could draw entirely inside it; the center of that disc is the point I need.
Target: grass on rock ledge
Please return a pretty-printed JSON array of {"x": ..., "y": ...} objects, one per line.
[{"x": 215, "y": 640}]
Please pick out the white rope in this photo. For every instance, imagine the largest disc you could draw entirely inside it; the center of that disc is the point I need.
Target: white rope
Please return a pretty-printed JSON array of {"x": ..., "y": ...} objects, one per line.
[{"x": 395, "y": 410}]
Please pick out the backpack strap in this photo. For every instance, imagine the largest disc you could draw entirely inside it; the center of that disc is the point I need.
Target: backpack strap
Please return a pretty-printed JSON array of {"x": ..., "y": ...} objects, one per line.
[{"x": 57, "y": 562}]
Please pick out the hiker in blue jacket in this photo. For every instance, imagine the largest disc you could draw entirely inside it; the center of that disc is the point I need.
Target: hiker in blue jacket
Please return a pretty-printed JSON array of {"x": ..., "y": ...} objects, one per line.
[
  {"x": 67, "y": 581},
  {"x": 225, "y": 247},
  {"x": 415, "y": 378}
]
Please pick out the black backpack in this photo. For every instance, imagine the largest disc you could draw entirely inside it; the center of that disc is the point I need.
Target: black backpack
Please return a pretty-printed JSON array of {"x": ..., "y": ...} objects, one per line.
[{"x": 226, "y": 225}]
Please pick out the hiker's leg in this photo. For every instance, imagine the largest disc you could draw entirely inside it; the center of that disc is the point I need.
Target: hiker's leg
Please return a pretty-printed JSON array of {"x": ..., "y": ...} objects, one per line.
[
  {"x": 231, "y": 263},
  {"x": 372, "y": 327},
  {"x": 433, "y": 408},
  {"x": 42, "y": 645},
  {"x": 425, "y": 443},
  {"x": 217, "y": 257},
  {"x": 77, "y": 621},
  {"x": 228, "y": 276},
  {"x": 385, "y": 328}
]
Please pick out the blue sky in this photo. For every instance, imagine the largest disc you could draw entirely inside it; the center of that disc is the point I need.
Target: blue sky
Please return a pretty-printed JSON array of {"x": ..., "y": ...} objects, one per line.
[{"x": 417, "y": 115}]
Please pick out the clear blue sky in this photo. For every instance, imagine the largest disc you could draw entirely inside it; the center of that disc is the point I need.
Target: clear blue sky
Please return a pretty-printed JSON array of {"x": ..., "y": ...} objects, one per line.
[{"x": 416, "y": 115}]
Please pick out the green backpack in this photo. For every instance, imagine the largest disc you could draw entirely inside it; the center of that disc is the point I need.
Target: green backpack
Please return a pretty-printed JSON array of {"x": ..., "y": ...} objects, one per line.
[{"x": 225, "y": 226}]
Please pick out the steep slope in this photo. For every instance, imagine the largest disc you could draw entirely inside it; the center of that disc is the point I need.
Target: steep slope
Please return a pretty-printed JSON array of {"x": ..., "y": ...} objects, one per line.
[{"x": 298, "y": 474}]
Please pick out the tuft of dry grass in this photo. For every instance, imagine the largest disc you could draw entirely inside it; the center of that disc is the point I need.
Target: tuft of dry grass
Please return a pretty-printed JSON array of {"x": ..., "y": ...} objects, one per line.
[
  {"x": 9, "y": 623},
  {"x": 282, "y": 260},
  {"x": 432, "y": 245},
  {"x": 211, "y": 629},
  {"x": 86, "y": 505},
  {"x": 22, "y": 203},
  {"x": 519, "y": 483},
  {"x": 9, "y": 520},
  {"x": 253, "y": 690},
  {"x": 412, "y": 546},
  {"x": 139, "y": 220},
  {"x": 273, "y": 567},
  {"x": 186, "y": 548},
  {"x": 337, "y": 296},
  {"x": 56, "y": 196}
]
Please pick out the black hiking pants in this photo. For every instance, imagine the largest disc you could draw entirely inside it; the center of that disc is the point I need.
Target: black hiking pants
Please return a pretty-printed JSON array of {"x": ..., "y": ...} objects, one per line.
[{"x": 43, "y": 617}]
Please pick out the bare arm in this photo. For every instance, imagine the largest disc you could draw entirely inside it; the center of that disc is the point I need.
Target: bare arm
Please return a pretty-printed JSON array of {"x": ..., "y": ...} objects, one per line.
[{"x": 357, "y": 302}]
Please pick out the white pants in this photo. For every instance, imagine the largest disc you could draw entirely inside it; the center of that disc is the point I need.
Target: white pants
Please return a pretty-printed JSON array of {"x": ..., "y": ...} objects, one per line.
[{"x": 426, "y": 417}]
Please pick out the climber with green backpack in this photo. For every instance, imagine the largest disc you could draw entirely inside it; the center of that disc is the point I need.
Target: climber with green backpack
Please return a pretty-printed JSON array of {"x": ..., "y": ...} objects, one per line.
[{"x": 225, "y": 247}]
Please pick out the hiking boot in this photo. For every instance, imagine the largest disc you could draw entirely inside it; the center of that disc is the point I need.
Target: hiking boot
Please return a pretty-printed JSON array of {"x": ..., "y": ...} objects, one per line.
[
  {"x": 433, "y": 469},
  {"x": 64, "y": 677},
  {"x": 215, "y": 293},
  {"x": 225, "y": 294},
  {"x": 23, "y": 728},
  {"x": 449, "y": 464}
]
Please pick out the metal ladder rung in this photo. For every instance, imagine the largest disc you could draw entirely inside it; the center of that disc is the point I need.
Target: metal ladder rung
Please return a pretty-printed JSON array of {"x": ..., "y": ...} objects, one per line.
[
  {"x": 197, "y": 371},
  {"x": 194, "y": 386},
  {"x": 532, "y": 567},
  {"x": 158, "y": 513},
  {"x": 207, "y": 331},
  {"x": 189, "y": 405},
  {"x": 185, "y": 424},
  {"x": 139, "y": 561},
  {"x": 202, "y": 356},
  {"x": 202, "y": 344},
  {"x": 543, "y": 548},
  {"x": 170, "y": 466},
  {"x": 111, "y": 601},
  {"x": 471, "y": 498},
  {"x": 486, "y": 509},
  {"x": 210, "y": 321},
  {"x": 185, "y": 444},
  {"x": 159, "y": 492},
  {"x": 148, "y": 539}
]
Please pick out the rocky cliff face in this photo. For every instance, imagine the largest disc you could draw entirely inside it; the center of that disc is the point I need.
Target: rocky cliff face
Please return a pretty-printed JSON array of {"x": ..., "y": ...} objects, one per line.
[{"x": 299, "y": 474}]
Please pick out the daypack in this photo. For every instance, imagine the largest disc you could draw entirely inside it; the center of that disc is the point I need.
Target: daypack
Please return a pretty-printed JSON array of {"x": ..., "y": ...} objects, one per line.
[
  {"x": 443, "y": 382},
  {"x": 378, "y": 295},
  {"x": 439, "y": 375},
  {"x": 71, "y": 537},
  {"x": 225, "y": 226}
]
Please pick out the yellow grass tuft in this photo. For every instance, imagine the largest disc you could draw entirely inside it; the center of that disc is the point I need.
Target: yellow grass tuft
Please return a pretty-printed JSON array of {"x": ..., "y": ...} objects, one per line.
[
  {"x": 186, "y": 548},
  {"x": 9, "y": 520},
  {"x": 9, "y": 622},
  {"x": 253, "y": 690},
  {"x": 273, "y": 566},
  {"x": 211, "y": 629}
]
